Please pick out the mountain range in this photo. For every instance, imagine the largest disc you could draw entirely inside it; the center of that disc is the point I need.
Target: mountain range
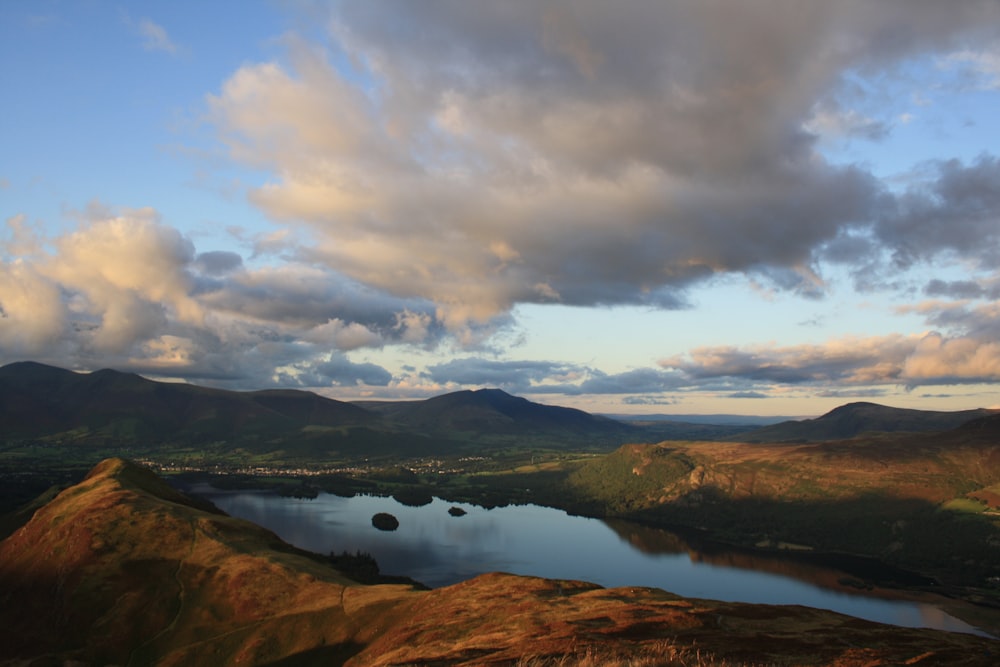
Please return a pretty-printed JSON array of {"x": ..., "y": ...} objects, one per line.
[
  {"x": 39, "y": 401},
  {"x": 43, "y": 402}
]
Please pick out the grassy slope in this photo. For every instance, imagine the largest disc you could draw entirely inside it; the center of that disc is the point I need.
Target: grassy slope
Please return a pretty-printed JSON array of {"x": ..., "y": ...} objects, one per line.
[
  {"x": 915, "y": 501},
  {"x": 120, "y": 569}
]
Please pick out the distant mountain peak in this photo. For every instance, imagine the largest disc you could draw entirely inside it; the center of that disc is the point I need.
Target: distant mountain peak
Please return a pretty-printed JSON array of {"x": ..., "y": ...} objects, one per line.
[{"x": 853, "y": 419}]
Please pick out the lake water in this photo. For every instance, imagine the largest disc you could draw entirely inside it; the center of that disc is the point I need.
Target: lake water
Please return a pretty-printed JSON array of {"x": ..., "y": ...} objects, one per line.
[{"x": 438, "y": 549}]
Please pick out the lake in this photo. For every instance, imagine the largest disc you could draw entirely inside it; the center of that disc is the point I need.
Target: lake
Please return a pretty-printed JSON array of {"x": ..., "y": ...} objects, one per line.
[{"x": 438, "y": 549}]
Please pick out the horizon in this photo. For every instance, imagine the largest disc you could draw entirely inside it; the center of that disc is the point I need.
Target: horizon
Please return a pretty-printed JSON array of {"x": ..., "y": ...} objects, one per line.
[
  {"x": 680, "y": 208},
  {"x": 615, "y": 415}
]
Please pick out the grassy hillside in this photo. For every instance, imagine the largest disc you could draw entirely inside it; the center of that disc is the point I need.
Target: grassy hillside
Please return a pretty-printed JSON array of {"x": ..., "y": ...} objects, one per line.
[
  {"x": 121, "y": 569},
  {"x": 928, "y": 502}
]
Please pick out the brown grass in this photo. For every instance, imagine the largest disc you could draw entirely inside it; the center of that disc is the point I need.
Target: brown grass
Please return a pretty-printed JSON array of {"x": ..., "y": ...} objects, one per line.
[{"x": 660, "y": 654}]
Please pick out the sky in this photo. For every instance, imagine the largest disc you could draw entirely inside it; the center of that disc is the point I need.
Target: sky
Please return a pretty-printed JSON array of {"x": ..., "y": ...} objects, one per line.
[{"x": 767, "y": 207}]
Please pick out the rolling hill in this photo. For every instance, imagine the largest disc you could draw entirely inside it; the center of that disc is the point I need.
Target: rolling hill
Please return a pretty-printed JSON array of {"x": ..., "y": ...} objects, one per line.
[
  {"x": 122, "y": 569},
  {"x": 853, "y": 419}
]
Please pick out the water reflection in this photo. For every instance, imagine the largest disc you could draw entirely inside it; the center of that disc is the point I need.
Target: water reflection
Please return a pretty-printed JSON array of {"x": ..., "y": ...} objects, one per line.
[
  {"x": 438, "y": 549},
  {"x": 836, "y": 572}
]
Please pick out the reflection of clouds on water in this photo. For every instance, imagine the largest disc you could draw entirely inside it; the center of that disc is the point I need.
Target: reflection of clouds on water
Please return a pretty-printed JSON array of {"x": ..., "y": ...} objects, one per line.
[{"x": 438, "y": 549}]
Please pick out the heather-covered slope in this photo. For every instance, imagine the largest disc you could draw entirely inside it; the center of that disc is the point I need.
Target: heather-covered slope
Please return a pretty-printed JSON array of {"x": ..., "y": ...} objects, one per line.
[{"x": 121, "y": 569}]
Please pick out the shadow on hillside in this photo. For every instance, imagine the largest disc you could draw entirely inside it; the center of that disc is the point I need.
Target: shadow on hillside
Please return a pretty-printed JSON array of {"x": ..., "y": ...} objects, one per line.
[
  {"x": 834, "y": 571},
  {"x": 875, "y": 538},
  {"x": 321, "y": 655}
]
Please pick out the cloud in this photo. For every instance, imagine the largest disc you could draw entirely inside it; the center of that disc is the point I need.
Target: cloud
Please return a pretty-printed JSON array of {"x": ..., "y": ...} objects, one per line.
[
  {"x": 956, "y": 289},
  {"x": 861, "y": 361},
  {"x": 516, "y": 376},
  {"x": 218, "y": 262},
  {"x": 338, "y": 370},
  {"x": 155, "y": 37},
  {"x": 125, "y": 290},
  {"x": 483, "y": 157},
  {"x": 984, "y": 65},
  {"x": 831, "y": 122},
  {"x": 31, "y": 319},
  {"x": 940, "y": 360},
  {"x": 853, "y": 393},
  {"x": 647, "y": 400},
  {"x": 853, "y": 366},
  {"x": 954, "y": 211}
]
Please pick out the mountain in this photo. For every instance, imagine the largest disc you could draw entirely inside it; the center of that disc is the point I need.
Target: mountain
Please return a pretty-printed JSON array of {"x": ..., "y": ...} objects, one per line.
[
  {"x": 115, "y": 409},
  {"x": 854, "y": 419},
  {"x": 495, "y": 412},
  {"x": 122, "y": 569},
  {"x": 38, "y": 400}
]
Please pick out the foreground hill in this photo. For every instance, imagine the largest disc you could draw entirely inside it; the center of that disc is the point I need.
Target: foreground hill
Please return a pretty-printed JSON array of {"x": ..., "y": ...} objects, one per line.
[
  {"x": 122, "y": 569},
  {"x": 854, "y": 419}
]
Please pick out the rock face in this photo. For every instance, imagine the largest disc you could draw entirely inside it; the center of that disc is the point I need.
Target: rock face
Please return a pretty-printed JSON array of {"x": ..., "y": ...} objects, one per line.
[{"x": 121, "y": 569}]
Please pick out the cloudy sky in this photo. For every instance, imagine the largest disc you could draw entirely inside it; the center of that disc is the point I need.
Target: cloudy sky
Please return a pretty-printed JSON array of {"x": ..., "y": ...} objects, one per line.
[{"x": 757, "y": 207}]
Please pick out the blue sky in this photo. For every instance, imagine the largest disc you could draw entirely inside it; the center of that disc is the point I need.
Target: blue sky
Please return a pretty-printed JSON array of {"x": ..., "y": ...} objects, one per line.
[{"x": 762, "y": 208}]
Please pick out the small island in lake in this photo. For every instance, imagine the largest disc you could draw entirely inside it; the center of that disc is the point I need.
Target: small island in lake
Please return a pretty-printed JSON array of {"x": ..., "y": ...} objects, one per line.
[
  {"x": 457, "y": 511},
  {"x": 385, "y": 521}
]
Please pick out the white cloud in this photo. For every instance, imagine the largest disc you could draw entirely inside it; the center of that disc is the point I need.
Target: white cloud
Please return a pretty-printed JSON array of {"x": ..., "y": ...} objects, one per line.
[
  {"x": 31, "y": 317},
  {"x": 131, "y": 291},
  {"x": 984, "y": 64},
  {"x": 155, "y": 37}
]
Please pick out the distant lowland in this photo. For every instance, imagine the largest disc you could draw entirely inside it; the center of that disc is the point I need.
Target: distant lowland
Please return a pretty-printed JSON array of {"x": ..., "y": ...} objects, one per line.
[{"x": 97, "y": 527}]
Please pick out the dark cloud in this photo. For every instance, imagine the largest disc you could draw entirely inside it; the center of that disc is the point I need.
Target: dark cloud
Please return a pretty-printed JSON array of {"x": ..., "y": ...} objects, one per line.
[
  {"x": 518, "y": 376},
  {"x": 647, "y": 400},
  {"x": 957, "y": 211},
  {"x": 871, "y": 361},
  {"x": 748, "y": 394},
  {"x": 954, "y": 289},
  {"x": 640, "y": 380},
  {"x": 308, "y": 297},
  {"x": 339, "y": 370},
  {"x": 852, "y": 393},
  {"x": 218, "y": 262}
]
